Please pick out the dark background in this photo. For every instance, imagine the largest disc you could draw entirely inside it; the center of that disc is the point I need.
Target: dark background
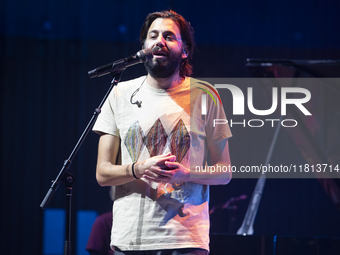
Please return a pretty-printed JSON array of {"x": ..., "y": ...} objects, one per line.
[{"x": 46, "y": 49}]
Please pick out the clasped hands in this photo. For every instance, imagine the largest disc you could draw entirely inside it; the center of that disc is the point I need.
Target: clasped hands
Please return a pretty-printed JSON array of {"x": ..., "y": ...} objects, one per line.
[{"x": 162, "y": 169}]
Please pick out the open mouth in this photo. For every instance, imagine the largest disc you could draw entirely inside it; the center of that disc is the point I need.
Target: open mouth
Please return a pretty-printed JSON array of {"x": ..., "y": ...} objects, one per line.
[{"x": 158, "y": 52}]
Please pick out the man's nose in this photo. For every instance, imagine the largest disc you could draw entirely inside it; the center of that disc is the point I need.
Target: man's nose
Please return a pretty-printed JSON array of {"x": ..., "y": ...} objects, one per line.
[{"x": 160, "y": 41}]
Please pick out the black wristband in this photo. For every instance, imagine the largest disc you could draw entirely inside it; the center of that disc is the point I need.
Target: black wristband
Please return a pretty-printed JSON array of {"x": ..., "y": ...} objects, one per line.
[{"x": 133, "y": 171}]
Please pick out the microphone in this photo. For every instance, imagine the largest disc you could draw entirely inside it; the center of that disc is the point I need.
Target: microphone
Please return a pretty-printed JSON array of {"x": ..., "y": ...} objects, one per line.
[{"x": 120, "y": 65}]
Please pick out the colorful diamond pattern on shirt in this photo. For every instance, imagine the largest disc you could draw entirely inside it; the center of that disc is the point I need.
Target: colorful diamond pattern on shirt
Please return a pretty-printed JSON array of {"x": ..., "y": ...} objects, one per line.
[
  {"x": 155, "y": 140},
  {"x": 179, "y": 141},
  {"x": 134, "y": 141}
]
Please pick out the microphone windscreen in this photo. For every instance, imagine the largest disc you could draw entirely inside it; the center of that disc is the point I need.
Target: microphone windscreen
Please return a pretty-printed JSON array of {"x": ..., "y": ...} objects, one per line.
[{"x": 145, "y": 54}]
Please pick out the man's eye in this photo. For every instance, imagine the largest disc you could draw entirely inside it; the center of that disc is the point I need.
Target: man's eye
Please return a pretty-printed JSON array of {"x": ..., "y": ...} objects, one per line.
[{"x": 169, "y": 38}]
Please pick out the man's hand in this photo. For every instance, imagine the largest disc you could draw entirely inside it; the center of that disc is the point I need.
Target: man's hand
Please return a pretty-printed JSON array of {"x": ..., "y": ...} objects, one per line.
[
  {"x": 174, "y": 172},
  {"x": 162, "y": 168},
  {"x": 170, "y": 172},
  {"x": 157, "y": 161}
]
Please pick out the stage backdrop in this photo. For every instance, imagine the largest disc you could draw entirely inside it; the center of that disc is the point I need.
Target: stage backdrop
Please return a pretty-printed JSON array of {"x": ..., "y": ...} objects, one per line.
[{"x": 46, "y": 49}]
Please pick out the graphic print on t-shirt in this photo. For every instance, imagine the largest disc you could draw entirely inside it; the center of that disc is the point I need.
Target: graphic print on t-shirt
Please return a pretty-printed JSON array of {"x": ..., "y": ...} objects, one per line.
[
  {"x": 179, "y": 141},
  {"x": 134, "y": 141},
  {"x": 156, "y": 140}
]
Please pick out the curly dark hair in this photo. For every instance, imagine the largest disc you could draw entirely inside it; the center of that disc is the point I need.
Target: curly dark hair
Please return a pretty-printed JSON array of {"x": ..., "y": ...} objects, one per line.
[{"x": 187, "y": 34}]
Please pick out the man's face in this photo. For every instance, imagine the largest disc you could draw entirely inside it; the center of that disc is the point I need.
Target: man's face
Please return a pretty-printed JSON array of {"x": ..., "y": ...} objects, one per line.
[{"x": 165, "y": 34}]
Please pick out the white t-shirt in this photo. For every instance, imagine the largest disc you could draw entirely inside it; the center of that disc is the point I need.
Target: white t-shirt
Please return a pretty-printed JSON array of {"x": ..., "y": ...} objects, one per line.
[{"x": 148, "y": 215}]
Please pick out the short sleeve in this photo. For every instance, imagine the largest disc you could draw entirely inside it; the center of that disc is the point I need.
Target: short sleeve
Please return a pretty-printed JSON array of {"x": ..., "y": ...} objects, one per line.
[
  {"x": 207, "y": 112},
  {"x": 217, "y": 127},
  {"x": 106, "y": 122}
]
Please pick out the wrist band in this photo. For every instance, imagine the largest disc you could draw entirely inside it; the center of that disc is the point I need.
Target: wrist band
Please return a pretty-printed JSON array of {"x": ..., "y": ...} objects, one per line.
[{"x": 133, "y": 171}]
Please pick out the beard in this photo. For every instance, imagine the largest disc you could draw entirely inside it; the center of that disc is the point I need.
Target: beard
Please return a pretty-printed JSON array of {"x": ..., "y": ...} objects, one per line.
[{"x": 164, "y": 68}]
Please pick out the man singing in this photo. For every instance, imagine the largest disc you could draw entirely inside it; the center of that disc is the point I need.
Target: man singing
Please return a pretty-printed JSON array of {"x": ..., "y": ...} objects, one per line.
[{"x": 154, "y": 125}]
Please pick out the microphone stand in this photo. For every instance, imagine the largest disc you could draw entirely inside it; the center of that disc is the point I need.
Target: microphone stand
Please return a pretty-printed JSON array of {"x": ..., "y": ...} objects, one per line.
[{"x": 67, "y": 178}]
